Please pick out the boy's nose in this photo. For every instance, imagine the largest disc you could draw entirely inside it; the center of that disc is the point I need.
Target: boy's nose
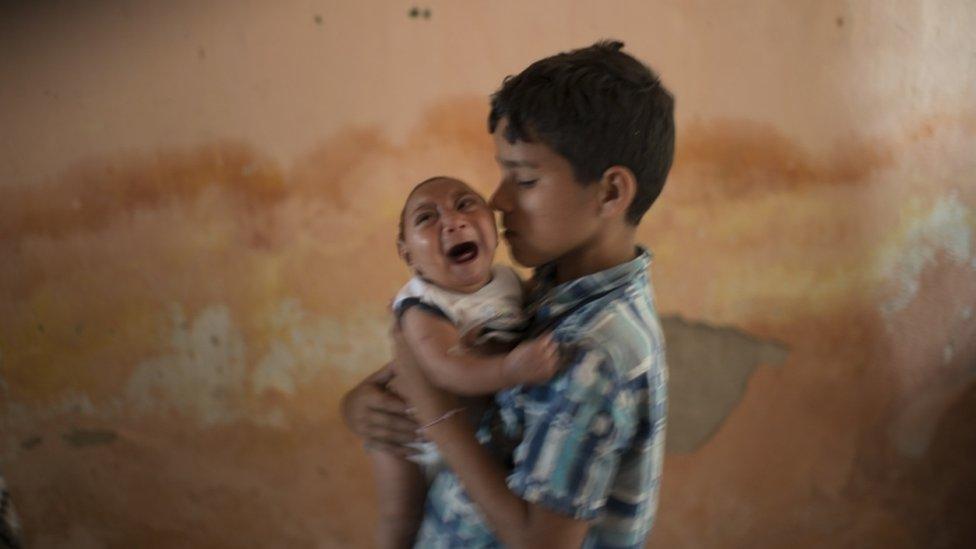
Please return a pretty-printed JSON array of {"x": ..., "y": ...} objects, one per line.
[{"x": 499, "y": 199}]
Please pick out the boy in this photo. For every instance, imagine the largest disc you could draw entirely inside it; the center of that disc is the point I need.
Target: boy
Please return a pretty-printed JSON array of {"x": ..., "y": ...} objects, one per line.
[{"x": 585, "y": 140}]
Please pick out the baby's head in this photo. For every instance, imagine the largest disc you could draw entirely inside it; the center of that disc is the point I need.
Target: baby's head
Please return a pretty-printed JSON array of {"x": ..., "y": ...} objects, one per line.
[{"x": 448, "y": 235}]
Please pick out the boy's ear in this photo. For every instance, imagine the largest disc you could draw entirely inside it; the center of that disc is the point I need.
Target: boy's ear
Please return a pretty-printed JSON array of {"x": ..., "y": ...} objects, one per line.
[
  {"x": 618, "y": 188},
  {"x": 403, "y": 253}
]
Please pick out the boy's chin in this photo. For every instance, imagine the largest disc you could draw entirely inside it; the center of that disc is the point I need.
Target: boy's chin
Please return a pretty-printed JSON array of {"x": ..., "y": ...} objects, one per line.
[{"x": 525, "y": 257}]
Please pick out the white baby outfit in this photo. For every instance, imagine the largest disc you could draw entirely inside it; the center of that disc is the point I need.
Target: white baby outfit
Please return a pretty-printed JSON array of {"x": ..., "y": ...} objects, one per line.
[
  {"x": 494, "y": 313},
  {"x": 495, "y": 310}
]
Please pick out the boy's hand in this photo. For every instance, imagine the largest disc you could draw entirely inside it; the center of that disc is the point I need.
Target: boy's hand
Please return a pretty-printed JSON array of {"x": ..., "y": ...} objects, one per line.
[
  {"x": 378, "y": 415},
  {"x": 533, "y": 361}
]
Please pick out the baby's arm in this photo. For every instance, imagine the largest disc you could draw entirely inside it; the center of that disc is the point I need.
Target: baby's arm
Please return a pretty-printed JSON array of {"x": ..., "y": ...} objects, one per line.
[{"x": 434, "y": 341}]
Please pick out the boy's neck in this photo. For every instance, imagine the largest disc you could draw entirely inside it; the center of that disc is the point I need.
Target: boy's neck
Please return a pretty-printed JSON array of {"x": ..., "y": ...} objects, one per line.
[{"x": 606, "y": 250}]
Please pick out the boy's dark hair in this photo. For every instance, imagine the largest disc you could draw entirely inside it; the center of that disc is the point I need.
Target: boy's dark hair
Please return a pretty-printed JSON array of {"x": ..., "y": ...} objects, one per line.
[{"x": 597, "y": 107}]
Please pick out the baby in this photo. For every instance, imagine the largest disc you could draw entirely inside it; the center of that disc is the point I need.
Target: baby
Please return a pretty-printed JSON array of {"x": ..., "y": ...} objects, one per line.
[{"x": 456, "y": 313}]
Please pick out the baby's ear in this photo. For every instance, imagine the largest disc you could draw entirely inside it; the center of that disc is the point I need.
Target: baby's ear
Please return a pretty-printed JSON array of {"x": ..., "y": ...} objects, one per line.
[{"x": 403, "y": 253}]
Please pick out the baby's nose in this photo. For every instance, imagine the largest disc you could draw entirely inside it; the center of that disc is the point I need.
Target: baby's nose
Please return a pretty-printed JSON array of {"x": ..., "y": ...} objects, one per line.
[{"x": 455, "y": 222}]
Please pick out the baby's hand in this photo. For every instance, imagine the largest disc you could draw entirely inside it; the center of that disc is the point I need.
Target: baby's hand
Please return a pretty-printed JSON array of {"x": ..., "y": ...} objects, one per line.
[{"x": 533, "y": 361}]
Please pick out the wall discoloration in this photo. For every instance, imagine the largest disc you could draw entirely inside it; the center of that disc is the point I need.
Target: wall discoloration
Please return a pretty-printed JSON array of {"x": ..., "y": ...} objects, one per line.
[
  {"x": 203, "y": 377},
  {"x": 31, "y": 442},
  {"x": 89, "y": 437},
  {"x": 739, "y": 158},
  {"x": 946, "y": 228}
]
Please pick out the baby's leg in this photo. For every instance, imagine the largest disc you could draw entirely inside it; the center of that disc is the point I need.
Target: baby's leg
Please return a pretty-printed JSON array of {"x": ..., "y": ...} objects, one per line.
[{"x": 400, "y": 489}]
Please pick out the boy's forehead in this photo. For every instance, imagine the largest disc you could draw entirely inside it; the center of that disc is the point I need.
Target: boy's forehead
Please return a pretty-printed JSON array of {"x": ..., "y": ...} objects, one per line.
[
  {"x": 513, "y": 161},
  {"x": 521, "y": 154}
]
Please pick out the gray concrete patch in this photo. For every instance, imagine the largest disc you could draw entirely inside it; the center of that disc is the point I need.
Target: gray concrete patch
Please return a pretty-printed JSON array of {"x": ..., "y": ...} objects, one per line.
[{"x": 709, "y": 368}]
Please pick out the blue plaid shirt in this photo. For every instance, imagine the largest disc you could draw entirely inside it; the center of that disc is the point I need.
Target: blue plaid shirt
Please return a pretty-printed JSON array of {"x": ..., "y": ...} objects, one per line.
[{"x": 590, "y": 442}]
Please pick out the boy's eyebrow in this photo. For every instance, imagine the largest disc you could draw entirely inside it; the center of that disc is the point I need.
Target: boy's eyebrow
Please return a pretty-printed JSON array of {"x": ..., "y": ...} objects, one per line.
[{"x": 516, "y": 163}]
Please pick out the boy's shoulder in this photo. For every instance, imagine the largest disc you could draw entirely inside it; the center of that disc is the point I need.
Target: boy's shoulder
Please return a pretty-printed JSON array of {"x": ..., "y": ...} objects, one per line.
[
  {"x": 623, "y": 332},
  {"x": 620, "y": 326}
]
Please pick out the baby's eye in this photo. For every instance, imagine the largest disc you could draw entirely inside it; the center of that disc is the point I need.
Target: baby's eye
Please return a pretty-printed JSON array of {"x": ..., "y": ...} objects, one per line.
[
  {"x": 528, "y": 183},
  {"x": 422, "y": 218},
  {"x": 465, "y": 203}
]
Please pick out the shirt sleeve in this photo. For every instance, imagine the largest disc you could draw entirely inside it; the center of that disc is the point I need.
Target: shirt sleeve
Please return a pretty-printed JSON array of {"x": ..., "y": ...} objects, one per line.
[
  {"x": 573, "y": 440},
  {"x": 406, "y": 303}
]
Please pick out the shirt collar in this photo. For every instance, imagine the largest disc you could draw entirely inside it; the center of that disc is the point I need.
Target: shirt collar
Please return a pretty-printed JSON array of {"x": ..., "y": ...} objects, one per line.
[{"x": 549, "y": 300}]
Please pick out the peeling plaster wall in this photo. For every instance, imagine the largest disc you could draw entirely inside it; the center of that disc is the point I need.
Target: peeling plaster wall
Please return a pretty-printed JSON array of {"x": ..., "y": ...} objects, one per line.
[{"x": 197, "y": 211}]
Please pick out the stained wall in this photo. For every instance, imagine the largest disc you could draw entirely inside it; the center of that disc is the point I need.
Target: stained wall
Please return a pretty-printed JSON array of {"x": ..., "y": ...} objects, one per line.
[{"x": 197, "y": 211}]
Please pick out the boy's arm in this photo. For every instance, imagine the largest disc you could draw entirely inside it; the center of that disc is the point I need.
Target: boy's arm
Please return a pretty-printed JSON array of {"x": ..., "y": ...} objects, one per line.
[
  {"x": 437, "y": 345},
  {"x": 379, "y": 416},
  {"x": 517, "y": 522}
]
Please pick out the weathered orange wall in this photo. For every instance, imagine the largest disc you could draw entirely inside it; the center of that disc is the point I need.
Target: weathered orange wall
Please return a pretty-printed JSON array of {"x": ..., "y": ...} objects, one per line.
[{"x": 197, "y": 207}]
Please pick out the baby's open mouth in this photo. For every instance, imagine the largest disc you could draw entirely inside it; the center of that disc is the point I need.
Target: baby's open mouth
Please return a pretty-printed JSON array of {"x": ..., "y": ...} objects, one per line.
[{"x": 463, "y": 252}]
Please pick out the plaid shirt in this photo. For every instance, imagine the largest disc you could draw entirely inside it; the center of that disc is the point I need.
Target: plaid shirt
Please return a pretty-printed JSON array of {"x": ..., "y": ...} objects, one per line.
[{"x": 590, "y": 442}]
